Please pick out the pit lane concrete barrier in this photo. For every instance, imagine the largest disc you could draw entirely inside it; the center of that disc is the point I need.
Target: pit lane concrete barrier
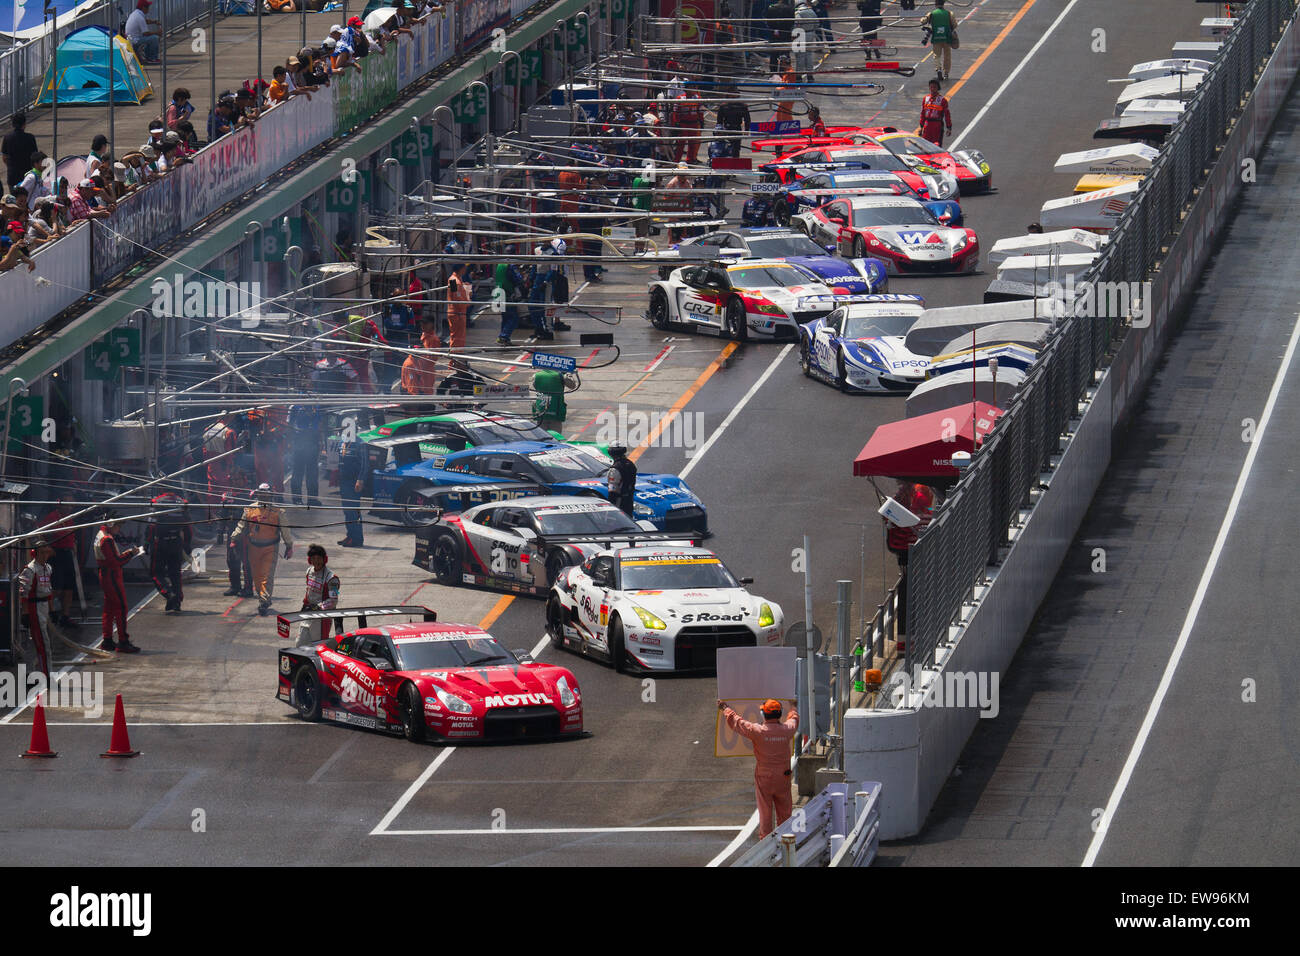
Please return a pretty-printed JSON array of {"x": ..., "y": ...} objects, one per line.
[
  {"x": 59, "y": 280},
  {"x": 838, "y": 827},
  {"x": 912, "y": 742}
]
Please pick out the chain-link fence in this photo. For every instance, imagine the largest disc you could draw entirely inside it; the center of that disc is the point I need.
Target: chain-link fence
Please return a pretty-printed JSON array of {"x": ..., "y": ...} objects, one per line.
[
  {"x": 949, "y": 558},
  {"x": 22, "y": 68}
]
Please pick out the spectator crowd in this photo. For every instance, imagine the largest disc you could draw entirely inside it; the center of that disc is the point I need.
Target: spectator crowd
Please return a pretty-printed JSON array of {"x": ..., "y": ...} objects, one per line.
[{"x": 39, "y": 205}]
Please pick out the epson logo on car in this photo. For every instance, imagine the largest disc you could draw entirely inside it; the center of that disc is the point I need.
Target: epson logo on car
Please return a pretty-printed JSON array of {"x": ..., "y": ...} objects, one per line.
[{"x": 516, "y": 700}]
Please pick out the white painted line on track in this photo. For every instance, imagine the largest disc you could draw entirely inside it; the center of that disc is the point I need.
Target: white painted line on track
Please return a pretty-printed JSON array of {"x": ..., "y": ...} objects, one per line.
[
  {"x": 750, "y": 826},
  {"x": 411, "y": 791},
  {"x": 333, "y": 759},
  {"x": 1011, "y": 76},
  {"x": 717, "y": 432},
  {"x": 559, "y": 830},
  {"x": 1194, "y": 610},
  {"x": 159, "y": 808}
]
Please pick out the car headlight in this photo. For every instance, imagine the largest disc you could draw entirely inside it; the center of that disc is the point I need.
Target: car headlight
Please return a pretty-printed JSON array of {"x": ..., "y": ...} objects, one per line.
[
  {"x": 961, "y": 243},
  {"x": 649, "y": 620},
  {"x": 766, "y": 306},
  {"x": 452, "y": 702},
  {"x": 882, "y": 241},
  {"x": 765, "y": 616},
  {"x": 567, "y": 697},
  {"x": 642, "y": 511}
]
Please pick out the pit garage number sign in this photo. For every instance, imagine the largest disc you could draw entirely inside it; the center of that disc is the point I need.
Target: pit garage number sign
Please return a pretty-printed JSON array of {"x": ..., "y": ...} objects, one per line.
[
  {"x": 119, "y": 349},
  {"x": 344, "y": 196},
  {"x": 471, "y": 105}
]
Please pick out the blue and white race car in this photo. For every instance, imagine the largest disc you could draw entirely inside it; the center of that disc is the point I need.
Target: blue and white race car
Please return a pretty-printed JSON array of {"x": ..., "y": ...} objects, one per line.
[
  {"x": 859, "y": 347},
  {"x": 520, "y": 469},
  {"x": 818, "y": 189},
  {"x": 845, "y": 276}
]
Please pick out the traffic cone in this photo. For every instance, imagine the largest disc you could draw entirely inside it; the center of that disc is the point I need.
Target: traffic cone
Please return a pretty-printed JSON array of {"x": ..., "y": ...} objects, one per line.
[
  {"x": 40, "y": 745},
  {"x": 121, "y": 744}
]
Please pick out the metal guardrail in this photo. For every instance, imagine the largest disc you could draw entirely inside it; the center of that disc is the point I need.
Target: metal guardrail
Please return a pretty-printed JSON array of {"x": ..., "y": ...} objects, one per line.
[
  {"x": 818, "y": 833},
  {"x": 949, "y": 557}
]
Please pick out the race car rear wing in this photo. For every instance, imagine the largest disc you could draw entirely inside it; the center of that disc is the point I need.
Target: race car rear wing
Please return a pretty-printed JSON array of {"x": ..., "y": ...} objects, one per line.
[
  {"x": 468, "y": 495},
  {"x": 284, "y": 622},
  {"x": 615, "y": 538}
]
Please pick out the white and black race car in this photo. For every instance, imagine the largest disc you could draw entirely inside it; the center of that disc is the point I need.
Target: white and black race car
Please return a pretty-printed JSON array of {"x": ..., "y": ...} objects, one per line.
[
  {"x": 759, "y": 298},
  {"x": 521, "y": 545},
  {"x": 861, "y": 347},
  {"x": 656, "y": 608}
]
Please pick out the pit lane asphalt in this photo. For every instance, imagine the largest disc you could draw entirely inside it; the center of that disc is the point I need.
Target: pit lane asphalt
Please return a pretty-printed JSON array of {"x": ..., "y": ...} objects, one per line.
[{"x": 780, "y": 470}]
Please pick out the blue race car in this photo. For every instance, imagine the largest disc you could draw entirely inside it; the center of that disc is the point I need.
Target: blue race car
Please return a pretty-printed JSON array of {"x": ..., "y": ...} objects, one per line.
[
  {"x": 820, "y": 188},
  {"x": 860, "y": 346},
  {"x": 519, "y": 469},
  {"x": 843, "y": 276}
]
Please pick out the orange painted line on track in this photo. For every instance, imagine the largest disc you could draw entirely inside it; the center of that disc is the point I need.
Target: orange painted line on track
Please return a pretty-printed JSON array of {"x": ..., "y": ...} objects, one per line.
[
  {"x": 685, "y": 399},
  {"x": 497, "y": 610}
]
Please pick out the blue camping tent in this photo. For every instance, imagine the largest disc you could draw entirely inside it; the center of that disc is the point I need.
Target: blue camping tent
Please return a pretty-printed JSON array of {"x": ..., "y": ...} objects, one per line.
[{"x": 83, "y": 61}]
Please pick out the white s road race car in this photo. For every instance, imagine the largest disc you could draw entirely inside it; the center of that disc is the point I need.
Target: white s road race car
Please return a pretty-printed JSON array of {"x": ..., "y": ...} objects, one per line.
[
  {"x": 860, "y": 347},
  {"x": 759, "y": 298},
  {"x": 657, "y": 609}
]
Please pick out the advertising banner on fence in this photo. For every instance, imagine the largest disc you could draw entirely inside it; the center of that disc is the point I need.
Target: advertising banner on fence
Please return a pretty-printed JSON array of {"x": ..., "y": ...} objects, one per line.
[
  {"x": 359, "y": 96},
  {"x": 478, "y": 18}
]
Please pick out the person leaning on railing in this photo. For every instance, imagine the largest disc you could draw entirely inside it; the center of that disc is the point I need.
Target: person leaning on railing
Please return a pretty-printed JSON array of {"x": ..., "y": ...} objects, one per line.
[{"x": 13, "y": 248}]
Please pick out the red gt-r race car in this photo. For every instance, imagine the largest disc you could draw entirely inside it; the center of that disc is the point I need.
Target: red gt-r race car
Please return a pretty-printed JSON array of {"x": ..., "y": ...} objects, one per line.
[
  {"x": 424, "y": 680},
  {"x": 968, "y": 166},
  {"x": 834, "y": 136},
  {"x": 926, "y": 181}
]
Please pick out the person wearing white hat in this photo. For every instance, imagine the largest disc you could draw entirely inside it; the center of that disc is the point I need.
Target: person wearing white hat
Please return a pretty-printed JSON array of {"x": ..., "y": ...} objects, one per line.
[{"x": 262, "y": 527}]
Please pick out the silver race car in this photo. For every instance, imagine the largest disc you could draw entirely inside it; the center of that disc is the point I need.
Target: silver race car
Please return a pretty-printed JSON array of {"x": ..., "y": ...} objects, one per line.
[{"x": 522, "y": 545}]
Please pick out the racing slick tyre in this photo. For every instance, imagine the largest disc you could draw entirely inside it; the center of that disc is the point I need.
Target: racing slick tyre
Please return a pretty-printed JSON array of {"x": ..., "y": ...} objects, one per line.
[
  {"x": 444, "y": 559},
  {"x": 617, "y": 650},
  {"x": 306, "y": 693},
  {"x": 555, "y": 565},
  {"x": 555, "y": 623},
  {"x": 805, "y": 357},
  {"x": 737, "y": 321},
  {"x": 411, "y": 710},
  {"x": 841, "y": 376},
  {"x": 415, "y": 513},
  {"x": 859, "y": 248},
  {"x": 659, "y": 311}
]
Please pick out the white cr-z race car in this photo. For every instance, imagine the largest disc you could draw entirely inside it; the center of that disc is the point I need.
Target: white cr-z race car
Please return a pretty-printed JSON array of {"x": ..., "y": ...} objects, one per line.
[
  {"x": 860, "y": 347},
  {"x": 657, "y": 609},
  {"x": 762, "y": 298}
]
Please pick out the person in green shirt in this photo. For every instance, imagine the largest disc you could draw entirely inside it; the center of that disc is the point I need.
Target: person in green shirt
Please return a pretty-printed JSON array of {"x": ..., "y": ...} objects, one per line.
[
  {"x": 505, "y": 281},
  {"x": 943, "y": 30},
  {"x": 642, "y": 200}
]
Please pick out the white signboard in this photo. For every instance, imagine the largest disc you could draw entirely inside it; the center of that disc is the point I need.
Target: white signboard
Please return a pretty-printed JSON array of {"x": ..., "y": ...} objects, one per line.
[{"x": 747, "y": 676}]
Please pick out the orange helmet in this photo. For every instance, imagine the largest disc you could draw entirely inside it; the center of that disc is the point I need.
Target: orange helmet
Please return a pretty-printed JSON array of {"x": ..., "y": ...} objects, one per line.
[{"x": 771, "y": 708}]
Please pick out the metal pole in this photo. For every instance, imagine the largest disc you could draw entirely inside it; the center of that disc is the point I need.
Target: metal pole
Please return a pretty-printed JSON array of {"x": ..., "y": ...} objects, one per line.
[
  {"x": 162, "y": 53},
  {"x": 258, "y": 84},
  {"x": 9, "y": 406},
  {"x": 54, "y": 148},
  {"x": 843, "y": 608},
  {"x": 304, "y": 23},
  {"x": 212, "y": 52},
  {"x": 451, "y": 136},
  {"x": 112, "y": 48},
  {"x": 808, "y": 637}
]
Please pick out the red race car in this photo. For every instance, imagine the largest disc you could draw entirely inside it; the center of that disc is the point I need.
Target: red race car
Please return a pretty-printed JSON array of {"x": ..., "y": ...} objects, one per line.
[
  {"x": 424, "y": 680},
  {"x": 968, "y": 166},
  {"x": 926, "y": 181},
  {"x": 901, "y": 232}
]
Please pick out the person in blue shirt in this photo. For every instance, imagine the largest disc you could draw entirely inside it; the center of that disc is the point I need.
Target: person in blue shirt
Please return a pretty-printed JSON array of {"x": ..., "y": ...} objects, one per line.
[
  {"x": 305, "y": 428},
  {"x": 354, "y": 469}
]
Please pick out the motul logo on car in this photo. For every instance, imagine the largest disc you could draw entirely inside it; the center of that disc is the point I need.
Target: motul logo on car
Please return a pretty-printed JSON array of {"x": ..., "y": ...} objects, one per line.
[
  {"x": 517, "y": 700},
  {"x": 351, "y": 692}
]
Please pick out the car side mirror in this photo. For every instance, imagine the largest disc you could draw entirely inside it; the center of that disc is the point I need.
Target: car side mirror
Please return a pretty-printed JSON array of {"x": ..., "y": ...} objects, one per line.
[
  {"x": 528, "y": 534},
  {"x": 523, "y": 655},
  {"x": 379, "y": 664},
  {"x": 830, "y": 247},
  {"x": 746, "y": 580}
]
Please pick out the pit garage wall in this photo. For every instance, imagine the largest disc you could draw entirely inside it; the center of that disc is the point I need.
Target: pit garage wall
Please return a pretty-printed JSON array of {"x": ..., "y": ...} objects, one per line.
[{"x": 913, "y": 751}]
